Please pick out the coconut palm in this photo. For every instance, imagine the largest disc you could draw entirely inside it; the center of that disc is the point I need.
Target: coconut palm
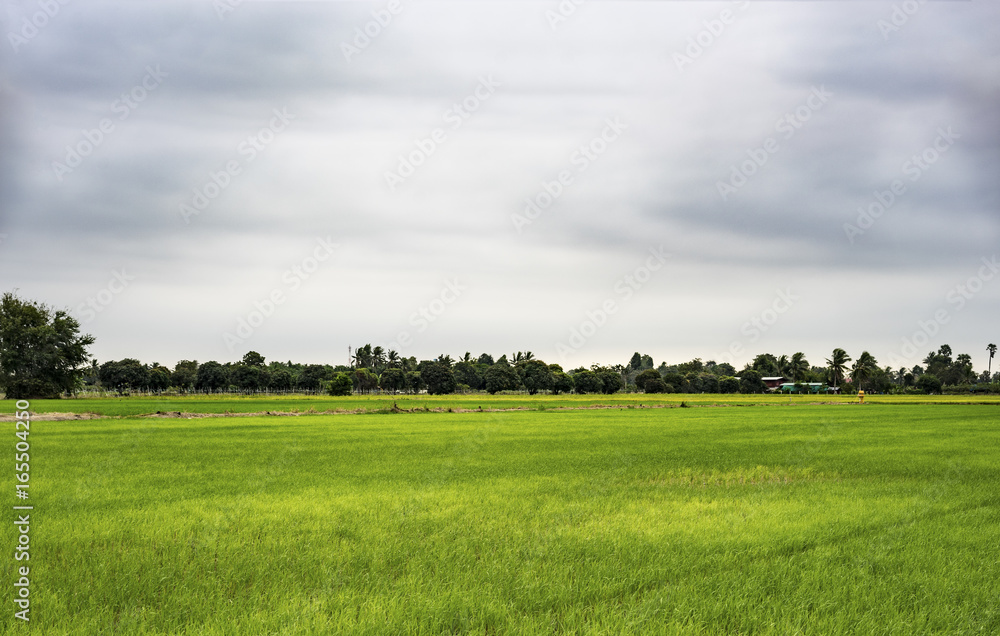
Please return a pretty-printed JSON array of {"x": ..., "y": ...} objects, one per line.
[
  {"x": 783, "y": 366},
  {"x": 863, "y": 369},
  {"x": 838, "y": 364},
  {"x": 798, "y": 366},
  {"x": 378, "y": 358}
]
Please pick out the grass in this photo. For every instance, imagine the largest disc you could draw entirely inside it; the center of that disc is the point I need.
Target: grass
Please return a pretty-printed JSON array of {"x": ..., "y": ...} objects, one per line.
[
  {"x": 817, "y": 519},
  {"x": 133, "y": 406}
]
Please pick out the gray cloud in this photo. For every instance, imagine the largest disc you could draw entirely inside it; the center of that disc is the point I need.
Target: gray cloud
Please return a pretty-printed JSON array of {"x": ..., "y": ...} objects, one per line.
[{"x": 324, "y": 174}]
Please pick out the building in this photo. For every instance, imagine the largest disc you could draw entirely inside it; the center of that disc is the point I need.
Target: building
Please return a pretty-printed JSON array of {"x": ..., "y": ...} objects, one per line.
[
  {"x": 772, "y": 383},
  {"x": 805, "y": 387}
]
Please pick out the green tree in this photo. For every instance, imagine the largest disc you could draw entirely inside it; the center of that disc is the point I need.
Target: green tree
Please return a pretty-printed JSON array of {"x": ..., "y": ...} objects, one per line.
[
  {"x": 364, "y": 381},
  {"x": 124, "y": 375},
  {"x": 798, "y": 366},
  {"x": 864, "y": 369},
  {"x": 709, "y": 382},
  {"x": 645, "y": 376},
  {"x": 536, "y": 376},
  {"x": 311, "y": 377},
  {"x": 766, "y": 364},
  {"x": 470, "y": 374},
  {"x": 392, "y": 380},
  {"x": 837, "y": 363},
  {"x": 42, "y": 353},
  {"x": 586, "y": 381},
  {"x": 280, "y": 380},
  {"x": 635, "y": 363},
  {"x": 929, "y": 383},
  {"x": 562, "y": 382},
  {"x": 729, "y": 384},
  {"x": 212, "y": 377},
  {"x": 414, "y": 383},
  {"x": 185, "y": 374},
  {"x": 248, "y": 377},
  {"x": 159, "y": 378},
  {"x": 439, "y": 378},
  {"x": 992, "y": 349},
  {"x": 502, "y": 377},
  {"x": 341, "y": 384},
  {"x": 655, "y": 385},
  {"x": 751, "y": 382},
  {"x": 253, "y": 359}
]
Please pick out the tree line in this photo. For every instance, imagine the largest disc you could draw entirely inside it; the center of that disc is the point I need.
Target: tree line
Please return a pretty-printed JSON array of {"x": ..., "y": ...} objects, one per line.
[{"x": 42, "y": 354}]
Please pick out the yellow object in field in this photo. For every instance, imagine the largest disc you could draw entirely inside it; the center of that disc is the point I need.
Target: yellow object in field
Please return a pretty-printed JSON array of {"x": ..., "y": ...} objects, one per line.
[{"x": 861, "y": 396}]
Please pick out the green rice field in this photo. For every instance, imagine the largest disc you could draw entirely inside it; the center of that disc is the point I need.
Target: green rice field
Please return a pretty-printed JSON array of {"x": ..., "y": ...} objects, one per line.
[{"x": 787, "y": 516}]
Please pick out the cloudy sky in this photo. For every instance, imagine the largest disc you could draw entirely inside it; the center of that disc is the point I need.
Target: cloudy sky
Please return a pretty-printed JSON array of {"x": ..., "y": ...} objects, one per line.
[{"x": 193, "y": 180}]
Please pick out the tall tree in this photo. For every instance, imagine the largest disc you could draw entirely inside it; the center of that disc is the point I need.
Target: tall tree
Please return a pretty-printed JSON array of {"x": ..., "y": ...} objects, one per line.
[
  {"x": 42, "y": 353},
  {"x": 253, "y": 359},
  {"x": 798, "y": 366},
  {"x": 863, "y": 370},
  {"x": 635, "y": 363},
  {"x": 392, "y": 359},
  {"x": 211, "y": 377},
  {"x": 501, "y": 377},
  {"x": 784, "y": 366},
  {"x": 766, "y": 364},
  {"x": 439, "y": 378},
  {"x": 992, "y": 348},
  {"x": 378, "y": 359},
  {"x": 536, "y": 376},
  {"x": 184, "y": 375},
  {"x": 837, "y": 364}
]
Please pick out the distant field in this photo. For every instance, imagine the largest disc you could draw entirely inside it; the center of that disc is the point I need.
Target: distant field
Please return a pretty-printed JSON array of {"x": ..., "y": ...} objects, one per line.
[
  {"x": 131, "y": 406},
  {"x": 811, "y": 519}
]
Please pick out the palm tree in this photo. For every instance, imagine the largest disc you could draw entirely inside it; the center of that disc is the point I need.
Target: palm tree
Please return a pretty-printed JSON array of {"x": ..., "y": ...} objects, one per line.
[
  {"x": 992, "y": 348},
  {"x": 798, "y": 366},
  {"x": 863, "y": 369},
  {"x": 378, "y": 358},
  {"x": 783, "y": 368},
  {"x": 363, "y": 356},
  {"x": 446, "y": 359},
  {"x": 838, "y": 364},
  {"x": 392, "y": 358}
]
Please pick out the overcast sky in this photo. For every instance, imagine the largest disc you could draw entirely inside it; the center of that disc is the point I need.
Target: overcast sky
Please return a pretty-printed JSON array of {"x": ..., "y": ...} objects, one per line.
[{"x": 196, "y": 180}]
